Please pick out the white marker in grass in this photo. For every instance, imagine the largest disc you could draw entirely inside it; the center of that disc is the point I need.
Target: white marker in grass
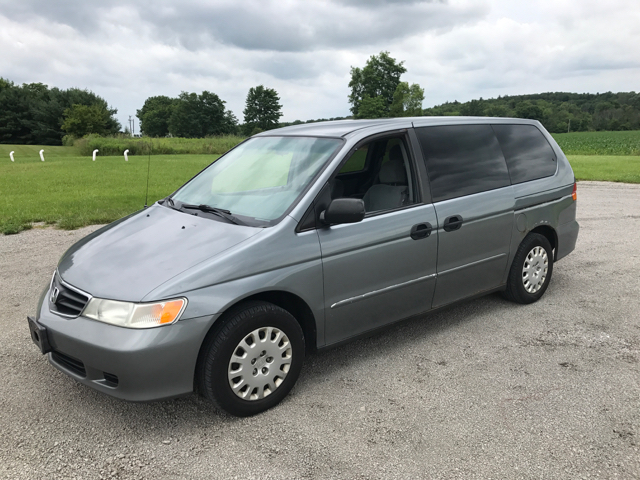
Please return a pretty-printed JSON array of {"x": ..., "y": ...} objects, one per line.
[
  {"x": 94, "y": 154},
  {"x": 11, "y": 155},
  {"x": 126, "y": 158},
  {"x": 42, "y": 155}
]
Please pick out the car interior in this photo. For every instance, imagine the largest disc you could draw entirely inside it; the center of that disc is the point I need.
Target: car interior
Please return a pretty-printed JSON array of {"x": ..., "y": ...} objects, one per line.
[{"x": 379, "y": 173}]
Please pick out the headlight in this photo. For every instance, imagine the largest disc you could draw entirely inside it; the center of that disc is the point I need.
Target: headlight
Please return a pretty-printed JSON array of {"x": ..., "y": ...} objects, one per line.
[{"x": 135, "y": 315}]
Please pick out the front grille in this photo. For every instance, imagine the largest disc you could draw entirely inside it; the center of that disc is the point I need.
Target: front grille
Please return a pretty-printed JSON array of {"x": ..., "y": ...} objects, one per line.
[
  {"x": 67, "y": 301},
  {"x": 70, "y": 363}
]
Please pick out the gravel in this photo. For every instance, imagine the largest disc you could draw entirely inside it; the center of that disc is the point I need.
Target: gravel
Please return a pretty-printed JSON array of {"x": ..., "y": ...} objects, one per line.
[{"x": 486, "y": 389}]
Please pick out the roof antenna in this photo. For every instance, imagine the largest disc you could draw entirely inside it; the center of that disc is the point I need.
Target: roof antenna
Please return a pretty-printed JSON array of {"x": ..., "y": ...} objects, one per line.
[{"x": 146, "y": 197}]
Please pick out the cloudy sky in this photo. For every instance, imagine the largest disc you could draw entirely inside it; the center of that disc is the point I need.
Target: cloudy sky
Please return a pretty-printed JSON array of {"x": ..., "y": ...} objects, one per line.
[{"x": 126, "y": 51}]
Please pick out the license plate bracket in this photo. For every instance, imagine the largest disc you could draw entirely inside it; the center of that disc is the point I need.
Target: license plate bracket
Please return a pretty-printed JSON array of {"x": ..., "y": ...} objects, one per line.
[{"x": 39, "y": 335}]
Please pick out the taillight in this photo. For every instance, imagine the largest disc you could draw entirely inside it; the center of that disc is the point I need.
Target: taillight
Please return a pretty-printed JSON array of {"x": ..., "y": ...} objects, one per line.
[{"x": 574, "y": 194}]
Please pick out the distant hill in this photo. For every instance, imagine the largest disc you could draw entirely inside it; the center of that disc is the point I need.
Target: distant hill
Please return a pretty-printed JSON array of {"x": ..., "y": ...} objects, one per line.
[{"x": 558, "y": 111}]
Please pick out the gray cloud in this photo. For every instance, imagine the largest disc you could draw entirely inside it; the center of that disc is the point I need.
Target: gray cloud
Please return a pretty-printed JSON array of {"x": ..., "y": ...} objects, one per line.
[
  {"x": 382, "y": 3},
  {"x": 82, "y": 16},
  {"x": 457, "y": 49},
  {"x": 286, "y": 66},
  {"x": 306, "y": 26},
  {"x": 259, "y": 24}
]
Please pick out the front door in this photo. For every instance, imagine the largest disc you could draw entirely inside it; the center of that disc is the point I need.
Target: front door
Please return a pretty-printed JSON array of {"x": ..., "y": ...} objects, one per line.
[{"x": 381, "y": 269}]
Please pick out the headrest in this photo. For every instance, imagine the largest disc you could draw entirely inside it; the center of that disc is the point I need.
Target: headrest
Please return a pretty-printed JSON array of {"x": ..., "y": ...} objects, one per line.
[
  {"x": 393, "y": 172},
  {"x": 395, "y": 153}
]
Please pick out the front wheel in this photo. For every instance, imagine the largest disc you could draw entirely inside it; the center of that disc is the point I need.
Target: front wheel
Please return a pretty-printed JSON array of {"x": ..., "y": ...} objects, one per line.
[
  {"x": 531, "y": 270},
  {"x": 251, "y": 362}
]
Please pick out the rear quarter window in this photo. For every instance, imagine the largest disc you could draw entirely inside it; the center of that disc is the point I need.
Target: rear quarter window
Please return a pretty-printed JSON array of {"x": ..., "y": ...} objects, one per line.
[
  {"x": 529, "y": 155},
  {"x": 462, "y": 160}
]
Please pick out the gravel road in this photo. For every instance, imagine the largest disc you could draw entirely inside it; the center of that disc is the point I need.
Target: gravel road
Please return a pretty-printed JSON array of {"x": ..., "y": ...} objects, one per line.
[{"x": 486, "y": 389}]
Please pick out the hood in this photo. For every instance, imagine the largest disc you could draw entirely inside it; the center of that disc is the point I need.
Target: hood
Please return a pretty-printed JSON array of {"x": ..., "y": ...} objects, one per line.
[{"x": 131, "y": 257}]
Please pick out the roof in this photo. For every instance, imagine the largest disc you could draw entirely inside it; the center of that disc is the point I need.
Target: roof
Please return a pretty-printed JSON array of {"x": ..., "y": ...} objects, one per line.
[
  {"x": 341, "y": 128},
  {"x": 335, "y": 128}
]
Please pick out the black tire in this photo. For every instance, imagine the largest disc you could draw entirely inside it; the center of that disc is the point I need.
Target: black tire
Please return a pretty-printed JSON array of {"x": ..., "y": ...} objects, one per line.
[
  {"x": 248, "y": 323},
  {"x": 520, "y": 288}
]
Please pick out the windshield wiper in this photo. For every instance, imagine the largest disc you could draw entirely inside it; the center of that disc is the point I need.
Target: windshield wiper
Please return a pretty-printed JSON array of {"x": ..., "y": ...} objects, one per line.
[{"x": 221, "y": 212}]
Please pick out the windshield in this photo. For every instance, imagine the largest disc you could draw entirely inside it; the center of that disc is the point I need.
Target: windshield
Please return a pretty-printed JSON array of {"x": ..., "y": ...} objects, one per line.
[{"x": 260, "y": 178}]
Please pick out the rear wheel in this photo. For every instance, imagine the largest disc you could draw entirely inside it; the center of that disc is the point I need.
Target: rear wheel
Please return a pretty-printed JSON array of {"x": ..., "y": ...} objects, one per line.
[
  {"x": 251, "y": 362},
  {"x": 531, "y": 270}
]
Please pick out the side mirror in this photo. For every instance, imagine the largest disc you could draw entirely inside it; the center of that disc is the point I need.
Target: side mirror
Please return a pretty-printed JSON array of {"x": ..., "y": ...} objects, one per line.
[{"x": 343, "y": 210}]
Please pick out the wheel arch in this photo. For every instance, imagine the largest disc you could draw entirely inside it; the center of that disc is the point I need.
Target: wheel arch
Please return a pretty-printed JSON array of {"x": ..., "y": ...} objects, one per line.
[
  {"x": 288, "y": 301},
  {"x": 550, "y": 234},
  {"x": 297, "y": 307}
]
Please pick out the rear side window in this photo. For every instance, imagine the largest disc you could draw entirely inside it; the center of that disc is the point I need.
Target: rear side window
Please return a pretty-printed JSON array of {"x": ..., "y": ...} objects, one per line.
[
  {"x": 529, "y": 155},
  {"x": 462, "y": 160}
]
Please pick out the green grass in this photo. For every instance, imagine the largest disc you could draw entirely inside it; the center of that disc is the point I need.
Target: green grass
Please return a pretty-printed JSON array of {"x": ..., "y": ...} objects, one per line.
[
  {"x": 75, "y": 191},
  {"x": 599, "y": 143},
  {"x": 612, "y": 168},
  {"x": 156, "y": 146},
  {"x": 24, "y": 153},
  {"x": 72, "y": 191}
]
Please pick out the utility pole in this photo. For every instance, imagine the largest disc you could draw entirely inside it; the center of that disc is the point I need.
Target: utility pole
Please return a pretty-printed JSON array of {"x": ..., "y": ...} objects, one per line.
[{"x": 131, "y": 125}]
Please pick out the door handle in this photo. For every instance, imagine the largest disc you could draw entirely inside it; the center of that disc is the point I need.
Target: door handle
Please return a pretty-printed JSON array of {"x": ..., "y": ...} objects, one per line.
[
  {"x": 454, "y": 222},
  {"x": 421, "y": 230}
]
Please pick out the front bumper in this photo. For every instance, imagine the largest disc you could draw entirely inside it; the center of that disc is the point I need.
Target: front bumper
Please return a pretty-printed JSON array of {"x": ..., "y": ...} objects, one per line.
[{"x": 135, "y": 365}]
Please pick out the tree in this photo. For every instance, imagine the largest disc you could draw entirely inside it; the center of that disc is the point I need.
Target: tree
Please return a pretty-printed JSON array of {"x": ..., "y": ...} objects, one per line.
[
  {"x": 198, "y": 116},
  {"x": 155, "y": 114},
  {"x": 187, "y": 119},
  {"x": 81, "y": 120},
  {"x": 262, "y": 110},
  {"x": 48, "y": 113},
  {"x": 407, "y": 100},
  {"x": 496, "y": 111},
  {"x": 474, "y": 108},
  {"x": 65, "y": 100},
  {"x": 530, "y": 110},
  {"x": 16, "y": 119},
  {"x": 34, "y": 114},
  {"x": 372, "y": 107},
  {"x": 379, "y": 78}
]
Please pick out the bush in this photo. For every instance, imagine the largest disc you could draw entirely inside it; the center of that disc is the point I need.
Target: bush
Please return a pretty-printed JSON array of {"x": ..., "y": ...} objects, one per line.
[
  {"x": 68, "y": 140},
  {"x": 116, "y": 145}
]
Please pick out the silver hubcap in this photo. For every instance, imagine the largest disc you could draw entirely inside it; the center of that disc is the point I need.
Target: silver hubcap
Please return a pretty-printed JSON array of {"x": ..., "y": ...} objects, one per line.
[
  {"x": 260, "y": 363},
  {"x": 534, "y": 271}
]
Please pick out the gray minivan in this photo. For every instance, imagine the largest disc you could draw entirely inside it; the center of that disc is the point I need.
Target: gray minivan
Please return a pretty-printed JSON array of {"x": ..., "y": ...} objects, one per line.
[{"x": 302, "y": 238}]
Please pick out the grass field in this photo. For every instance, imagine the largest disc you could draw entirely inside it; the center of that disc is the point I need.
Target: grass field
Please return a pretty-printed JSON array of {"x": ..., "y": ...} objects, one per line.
[
  {"x": 613, "y": 168},
  {"x": 71, "y": 191},
  {"x": 599, "y": 143},
  {"x": 30, "y": 152}
]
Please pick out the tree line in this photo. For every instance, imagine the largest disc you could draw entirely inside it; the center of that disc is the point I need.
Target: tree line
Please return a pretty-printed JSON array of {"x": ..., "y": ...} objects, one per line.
[
  {"x": 196, "y": 116},
  {"x": 377, "y": 91},
  {"x": 36, "y": 114},
  {"x": 559, "y": 112}
]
